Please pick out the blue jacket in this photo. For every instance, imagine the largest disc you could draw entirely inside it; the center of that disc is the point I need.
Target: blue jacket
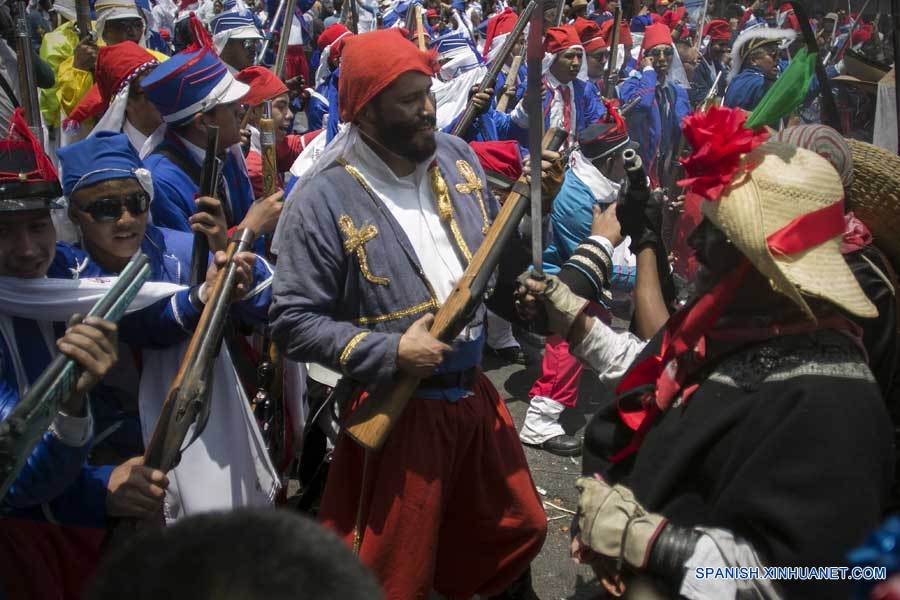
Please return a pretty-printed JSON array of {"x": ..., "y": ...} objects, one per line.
[
  {"x": 163, "y": 324},
  {"x": 747, "y": 89},
  {"x": 704, "y": 77},
  {"x": 588, "y": 110},
  {"x": 175, "y": 190},
  {"x": 645, "y": 125},
  {"x": 570, "y": 224}
]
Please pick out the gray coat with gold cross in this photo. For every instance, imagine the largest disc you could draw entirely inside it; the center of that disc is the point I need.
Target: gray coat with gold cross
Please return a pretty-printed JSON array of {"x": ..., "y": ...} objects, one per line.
[{"x": 348, "y": 282}]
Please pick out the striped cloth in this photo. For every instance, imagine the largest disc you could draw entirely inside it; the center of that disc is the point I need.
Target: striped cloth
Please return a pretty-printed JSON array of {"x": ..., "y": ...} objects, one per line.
[{"x": 824, "y": 141}]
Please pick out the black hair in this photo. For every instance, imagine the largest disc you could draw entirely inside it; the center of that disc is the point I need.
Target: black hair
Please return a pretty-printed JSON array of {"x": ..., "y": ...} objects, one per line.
[{"x": 246, "y": 554}]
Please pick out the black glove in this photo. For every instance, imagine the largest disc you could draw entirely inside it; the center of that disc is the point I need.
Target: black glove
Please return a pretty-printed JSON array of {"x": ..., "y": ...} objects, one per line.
[{"x": 640, "y": 215}]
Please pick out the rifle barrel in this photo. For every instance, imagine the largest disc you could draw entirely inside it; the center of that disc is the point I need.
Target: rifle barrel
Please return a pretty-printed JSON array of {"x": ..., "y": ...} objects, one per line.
[{"x": 284, "y": 38}]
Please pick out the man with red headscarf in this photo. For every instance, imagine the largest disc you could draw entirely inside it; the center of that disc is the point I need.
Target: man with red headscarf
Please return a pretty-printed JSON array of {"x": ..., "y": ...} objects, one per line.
[
  {"x": 596, "y": 52},
  {"x": 655, "y": 120},
  {"x": 372, "y": 241},
  {"x": 322, "y": 109},
  {"x": 568, "y": 102},
  {"x": 717, "y": 39}
]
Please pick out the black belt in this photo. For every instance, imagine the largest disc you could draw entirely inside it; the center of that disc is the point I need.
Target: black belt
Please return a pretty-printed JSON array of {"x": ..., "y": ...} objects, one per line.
[{"x": 460, "y": 379}]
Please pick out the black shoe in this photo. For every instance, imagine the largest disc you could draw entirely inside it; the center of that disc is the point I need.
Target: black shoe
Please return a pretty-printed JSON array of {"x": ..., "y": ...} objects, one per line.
[
  {"x": 512, "y": 355},
  {"x": 562, "y": 445}
]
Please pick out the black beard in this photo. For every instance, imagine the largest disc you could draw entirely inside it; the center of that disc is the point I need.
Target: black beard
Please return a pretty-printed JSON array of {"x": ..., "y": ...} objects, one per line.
[{"x": 407, "y": 139}]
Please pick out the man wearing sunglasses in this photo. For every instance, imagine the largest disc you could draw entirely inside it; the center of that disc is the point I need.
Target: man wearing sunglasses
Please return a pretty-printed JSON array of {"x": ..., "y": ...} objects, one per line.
[
  {"x": 717, "y": 40},
  {"x": 596, "y": 52},
  {"x": 655, "y": 120},
  {"x": 237, "y": 39},
  {"x": 754, "y": 69}
]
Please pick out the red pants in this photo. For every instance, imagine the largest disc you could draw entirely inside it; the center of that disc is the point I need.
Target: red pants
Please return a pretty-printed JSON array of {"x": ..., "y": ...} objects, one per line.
[
  {"x": 295, "y": 63},
  {"x": 560, "y": 373},
  {"x": 43, "y": 561},
  {"x": 450, "y": 500}
]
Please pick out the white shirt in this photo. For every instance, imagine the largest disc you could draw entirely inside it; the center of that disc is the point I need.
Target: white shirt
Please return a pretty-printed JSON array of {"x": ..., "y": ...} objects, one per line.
[
  {"x": 411, "y": 202},
  {"x": 520, "y": 117},
  {"x": 136, "y": 138}
]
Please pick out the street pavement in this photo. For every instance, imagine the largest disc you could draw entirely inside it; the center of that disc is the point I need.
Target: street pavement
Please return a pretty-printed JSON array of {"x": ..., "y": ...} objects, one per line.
[{"x": 555, "y": 575}]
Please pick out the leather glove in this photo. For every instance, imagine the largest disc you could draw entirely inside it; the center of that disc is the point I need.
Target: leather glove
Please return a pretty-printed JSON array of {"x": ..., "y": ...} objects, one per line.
[
  {"x": 562, "y": 305},
  {"x": 614, "y": 524}
]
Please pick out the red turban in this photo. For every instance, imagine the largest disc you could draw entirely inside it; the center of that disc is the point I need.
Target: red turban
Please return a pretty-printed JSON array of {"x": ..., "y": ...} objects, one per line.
[
  {"x": 500, "y": 24},
  {"x": 718, "y": 30},
  {"x": 331, "y": 34},
  {"x": 371, "y": 62},
  {"x": 624, "y": 33},
  {"x": 117, "y": 66},
  {"x": 558, "y": 39},
  {"x": 263, "y": 85},
  {"x": 656, "y": 35},
  {"x": 589, "y": 34},
  {"x": 861, "y": 35}
]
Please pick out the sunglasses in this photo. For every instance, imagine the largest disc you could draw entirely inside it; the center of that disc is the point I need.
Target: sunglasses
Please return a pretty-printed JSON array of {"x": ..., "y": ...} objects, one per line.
[
  {"x": 251, "y": 46},
  {"x": 666, "y": 52},
  {"x": 127, "y": 25},
  {"x": 108, "y": 210}
]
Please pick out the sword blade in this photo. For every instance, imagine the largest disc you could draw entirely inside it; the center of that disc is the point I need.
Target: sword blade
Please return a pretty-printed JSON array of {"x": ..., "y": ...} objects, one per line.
[{"x": 535, "y": 55}]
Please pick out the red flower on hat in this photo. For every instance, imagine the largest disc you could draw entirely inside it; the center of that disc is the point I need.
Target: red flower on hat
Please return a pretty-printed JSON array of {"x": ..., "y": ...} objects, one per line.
[{"x": 719, "y": 139}]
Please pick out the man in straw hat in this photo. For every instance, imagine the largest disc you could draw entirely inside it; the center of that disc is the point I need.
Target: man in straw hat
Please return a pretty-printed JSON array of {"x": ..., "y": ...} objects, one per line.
[
  {"x": 750, "y": 417},
  {"x": 372, "y": 241}
]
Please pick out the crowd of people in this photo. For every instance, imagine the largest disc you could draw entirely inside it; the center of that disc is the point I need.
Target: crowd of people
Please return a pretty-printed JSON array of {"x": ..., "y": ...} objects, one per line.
[{"x": 327, "y": 194}]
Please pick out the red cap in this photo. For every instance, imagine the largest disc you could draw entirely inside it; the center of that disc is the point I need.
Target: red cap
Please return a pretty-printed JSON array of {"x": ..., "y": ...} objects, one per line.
[
  {"x": 718, "y": 30},
  {"x": 331, "y": 34},
  {"x": 589, "y": 34},
  {"x": 624, "y": 33},
  {"x": 263, "y": 85},
  {"x": 558, "y": 39},
  {"x": 501, "y": 158},
  {"x": 117, "y": 66},
  {"x": 674, "y": 17},
  {"x": 371, "y": 62},
  {"x": 861, "y": 35},
  {"x": 431, "y": 13},
  {"x": 656, "y": 35},
  {"x": 500, "y": 24}
]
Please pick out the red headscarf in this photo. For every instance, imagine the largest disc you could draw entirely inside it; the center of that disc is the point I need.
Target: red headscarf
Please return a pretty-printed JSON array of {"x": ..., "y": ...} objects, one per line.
[
  {"x": 718, "y": 30},
  {"x": 500, "y": 24},
  {"x": 656, "y": 35},
  {"x": 589, "y": 33},
  {"x": 371, "y": 62},
  {"x": 558, "y": 39},
  {"x": 263, "y": 85},
  {"x": 624, "y": 33}
]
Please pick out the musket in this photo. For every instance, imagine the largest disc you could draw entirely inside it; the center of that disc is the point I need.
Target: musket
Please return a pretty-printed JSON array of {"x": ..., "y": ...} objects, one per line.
[
  {"x": 613, "y": 50},
  {"x": 420, "y": 29},
  {"x": 712, "y": 93},
  {"x": 410, "y": 18},
  {"x": 268, "y": 40},
  {"x": 30, "y": 418},
  {"x": 209, "y": 177},
  {"x": 700, "y": 24},
  {"x": 83, "y": 19},
  {"x": 847, "y": 40},
  {"x": 354, "y": 17},
  {"x": 267, "y": 150},
  {"x": 462, "y": 125},
  {"x": 284, "y": 38},
  {"x": 829, "y": 109},
  {"x": 560, "y": 10},
  {"x": 371, "y": 423},
  {"x": 188, "y": 400},
  {"x": 512, "y": 81},
  {"x": 27, "y": 85}
]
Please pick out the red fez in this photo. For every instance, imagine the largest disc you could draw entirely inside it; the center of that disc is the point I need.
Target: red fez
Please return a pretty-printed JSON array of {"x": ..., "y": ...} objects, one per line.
[
  {"x": 263, "y": 85},
  {"x": 331, "y": 34},
  {"x": 500, "y": 24},
  {"x": 624, "y": 33},
  {"x": 371, "y": 62},
  {"x": 656, "y": 35},
  {"x": 718, "y": 30},
  {"x": 501, "y": 158},
  {"x": 117, "y": 66},
  {"x": 589, "y": 34},
  {"x": 561, "y": 38},
  {"x": 674, "y": 17}
]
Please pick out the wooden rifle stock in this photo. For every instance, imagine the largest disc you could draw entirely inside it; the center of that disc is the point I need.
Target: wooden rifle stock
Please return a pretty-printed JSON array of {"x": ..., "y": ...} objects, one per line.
[
  {"x": 420, "y": 29},
  {"x": 188, "y": 397},
  {"x": 372, "y": 422},
  {"x": 267, "y": 148},
  {"x": 512, "y": 81},
  {"x": 209, "y": 175},
  {"x": 491, "y": 76}
]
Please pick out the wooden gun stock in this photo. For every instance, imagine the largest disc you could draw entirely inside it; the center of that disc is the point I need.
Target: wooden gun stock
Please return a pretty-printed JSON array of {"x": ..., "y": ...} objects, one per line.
[
  {"x": 512, "y": 81},
  {"x": 267, "y": 148},
  {"x": 188, "y": 397},
  {"x": 372, "y": 422}
]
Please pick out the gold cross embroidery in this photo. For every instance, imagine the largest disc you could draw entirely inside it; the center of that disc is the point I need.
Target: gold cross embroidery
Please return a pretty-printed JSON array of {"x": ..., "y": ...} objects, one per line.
[
  {"x": 472, "y": 185},
  {"x": 355, "y": 242}
]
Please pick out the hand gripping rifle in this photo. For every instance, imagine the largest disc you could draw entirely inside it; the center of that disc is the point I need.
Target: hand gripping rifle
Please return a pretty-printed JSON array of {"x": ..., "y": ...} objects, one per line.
[
  {"x": 209, "y": 176},
  {"x": 188, "y": 400},
  {"x": 23, "y": 428},
  {"x": 491, "y": 76},
  {"x": 372, "y": 422}
]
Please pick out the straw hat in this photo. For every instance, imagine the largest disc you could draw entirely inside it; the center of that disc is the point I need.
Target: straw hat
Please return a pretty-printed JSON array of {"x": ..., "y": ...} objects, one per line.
[
  {"x": 775, "y": 184},
  {"x": 875, "y": 195}
]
